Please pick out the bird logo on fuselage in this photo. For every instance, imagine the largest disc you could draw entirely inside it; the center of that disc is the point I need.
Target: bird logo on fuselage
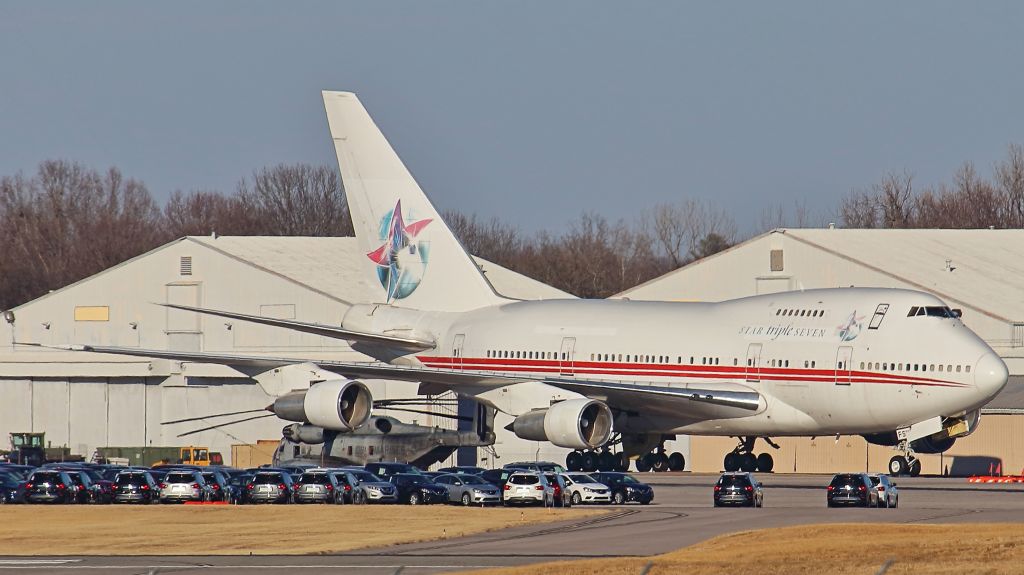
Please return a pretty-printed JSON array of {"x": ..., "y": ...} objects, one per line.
[
  {"x": 402, "y": 258},
  {"x": 850, "y": 329}
]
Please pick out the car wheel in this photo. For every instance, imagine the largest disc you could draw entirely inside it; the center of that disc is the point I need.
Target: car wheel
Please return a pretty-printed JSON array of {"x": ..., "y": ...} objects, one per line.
[
  {"x": 619, "y": 498},
  {"x": 466, "y": 499},
  {"x": 576, "y": 499},
  {"x": 414, "y": 499}
]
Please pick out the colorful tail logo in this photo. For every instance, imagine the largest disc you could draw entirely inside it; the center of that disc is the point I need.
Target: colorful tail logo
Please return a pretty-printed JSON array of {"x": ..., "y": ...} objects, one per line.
[{"x": 401, "y": 260}]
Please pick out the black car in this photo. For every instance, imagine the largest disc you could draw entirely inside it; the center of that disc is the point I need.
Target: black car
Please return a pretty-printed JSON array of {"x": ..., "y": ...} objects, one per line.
[
  {"x": 12, "y": 488},
  {"x": 738, "y": 488},
  {"x": 135, "y": 487},
  {"x": 385, "y": 470},
  {"x": 625, "y": 488},
  {"x": 498, "y": 477},
  {"x": 853, "y": 489},
  {"x": 218, "y": 481},
  {"x": 414, "y": 489},
  {"x": 50, "y": 486},
  {"x": 237, "y": 487}
]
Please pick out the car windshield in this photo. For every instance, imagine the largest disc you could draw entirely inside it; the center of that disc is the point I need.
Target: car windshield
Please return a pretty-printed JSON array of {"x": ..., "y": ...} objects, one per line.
[
  {"x": 267, "y": 478},
  {"x": 317, "y": 478},
  {"x": 365, "y": 476},
  {"x": 414, "y": 479},
  {"x": 524, "y": 479},
  {"x": 470, "y": 479},
  {"x": 179, "y": 478},
  {"x": 582, "y": 478}
]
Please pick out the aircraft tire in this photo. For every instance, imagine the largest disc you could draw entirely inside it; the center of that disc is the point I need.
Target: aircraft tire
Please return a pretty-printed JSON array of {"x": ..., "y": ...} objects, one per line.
[
  {"x": 590, "y": 461},
  {"x": 606, "y": 461},
  {"x": 898, "y": 466},
  {"x": 660, "y": 462},
  {"x": 643, "y": 463},
  {"x": 915, "y": 468},
  {"x": 574, "y": 461},
  {"x": 731, "y": 462},
  {"x": 676, "y": 461},
  {"x": 623, "y": 462},
  {"x": 765, "y": 463},
  {"x": 748, "y": 462}
]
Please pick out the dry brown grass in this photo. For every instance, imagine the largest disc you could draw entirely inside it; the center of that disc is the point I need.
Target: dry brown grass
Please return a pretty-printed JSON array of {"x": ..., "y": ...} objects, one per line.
[
  {"x": 843, "y": 549},
  {"x": 240, "y": 530}
]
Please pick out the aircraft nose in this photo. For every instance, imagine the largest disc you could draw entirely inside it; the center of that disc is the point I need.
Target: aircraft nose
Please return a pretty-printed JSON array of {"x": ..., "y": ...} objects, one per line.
[{"x": 991, "y": 374}]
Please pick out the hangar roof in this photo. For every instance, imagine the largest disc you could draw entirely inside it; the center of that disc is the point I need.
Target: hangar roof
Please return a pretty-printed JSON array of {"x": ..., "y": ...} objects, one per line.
[
  {"x": 985, "y": 267},
  {"x": 329, "y": 265}
]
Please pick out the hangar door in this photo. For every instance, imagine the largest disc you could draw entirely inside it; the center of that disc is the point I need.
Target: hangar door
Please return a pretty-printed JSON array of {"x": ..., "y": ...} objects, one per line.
[{"x": 183, "y": 327}]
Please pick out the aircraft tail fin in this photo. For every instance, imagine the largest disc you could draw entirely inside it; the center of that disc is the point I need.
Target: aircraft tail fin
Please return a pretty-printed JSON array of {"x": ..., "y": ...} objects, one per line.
[{"x": 409, "y": 248}]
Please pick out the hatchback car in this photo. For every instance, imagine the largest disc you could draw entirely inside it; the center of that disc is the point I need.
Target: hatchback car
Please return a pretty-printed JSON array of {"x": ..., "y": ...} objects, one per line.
[
  {"x": 851, "y": 489},
  {"x": 320, "y": 486},
  {"x": 585, "y": 489},
  {"x": 366, "y": 487},
  {"x": 269, "y": 487},
  {"x": 414, "y": 489},
  {"x": 50, "y": 487},
  {"x": 468, "y": 489},
  {"x": 738, "y": 488},
  {"x": 135, "y": 487},
  {"x": 888, "y": 495},
  {"x": 183, "y": 485},
  {"x": 625, "y": 488},
  {"x": 529, "y": 487},
  {"x": 562, "y": 496}
]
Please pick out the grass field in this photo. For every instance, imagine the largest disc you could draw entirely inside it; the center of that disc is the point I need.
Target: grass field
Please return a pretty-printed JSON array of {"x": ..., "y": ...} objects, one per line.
[
  {"x": 241, "y": 530},
  {"x": 843, "y": 549}
]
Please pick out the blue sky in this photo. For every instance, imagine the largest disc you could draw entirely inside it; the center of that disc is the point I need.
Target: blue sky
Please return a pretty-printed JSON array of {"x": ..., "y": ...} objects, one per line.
[{"x": 529, "y": 111}]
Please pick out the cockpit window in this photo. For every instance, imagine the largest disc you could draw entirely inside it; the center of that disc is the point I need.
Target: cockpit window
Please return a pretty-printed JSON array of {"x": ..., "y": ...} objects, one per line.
[{"x": 932, "y": 311}]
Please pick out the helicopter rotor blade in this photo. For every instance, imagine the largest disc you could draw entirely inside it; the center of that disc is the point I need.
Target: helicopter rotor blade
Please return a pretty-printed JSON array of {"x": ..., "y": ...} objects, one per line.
[
  {"x": 211, "y": 416},
  {"x": 219, "y": 425}
]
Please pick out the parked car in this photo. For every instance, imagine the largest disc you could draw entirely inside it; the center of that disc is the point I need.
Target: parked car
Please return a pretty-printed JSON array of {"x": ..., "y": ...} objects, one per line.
[
  {"x": 385, "y": 469},
  {"x": 50, "y": 486},
  {"x": 562, "y": 496},
  {"x": 738, "y": 488},
  {"x": 320, "y": 486},
  {"x": 135, "y": 487},
  {"x": 585, "y": 489},
  {"x": 367, "y": 487},
  {"x": 529, "y": 487},
  {"x": 547, "y": 466},
  {"x": 12, "y": 488},
  {"x": 625, "y": 488},
  {"x": 218, "y": 483},
  {"x": 414, "y": 489},
  {"x": 469, "y": 469},
  {"x": 888, "y": 495},
  {"x": 237, "y": 487},
  {"x": 182, "y": 485},
  {"x": 851, "y": 489},
  {"x": 498, "y": 478},
  {"x": 468, "y": 489},
  {"x": 84, "y": 490},
  {"x": 270, "y": 487}
]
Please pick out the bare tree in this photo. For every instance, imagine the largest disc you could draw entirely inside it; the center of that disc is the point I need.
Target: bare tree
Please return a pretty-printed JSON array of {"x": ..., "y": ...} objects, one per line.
[
  {"x": 894, "y": 195},
  {"x": 297, "y": 200},
  {"x": 1010, "y": 183}
]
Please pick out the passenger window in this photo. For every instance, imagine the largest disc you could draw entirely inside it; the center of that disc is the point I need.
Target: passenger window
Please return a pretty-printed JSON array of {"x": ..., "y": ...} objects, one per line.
[
  {"x": 806, "y": 363},
  {"x": 967, "y": 368},
  {"x": 812, "y": 363},
  {"x": 862, "y": 365},
  {"x": 958, "y": 369},
  {"x": 778, "y": 312},
  {"x": 940, "y": 368},
  {"x": 932, "y": 367}
]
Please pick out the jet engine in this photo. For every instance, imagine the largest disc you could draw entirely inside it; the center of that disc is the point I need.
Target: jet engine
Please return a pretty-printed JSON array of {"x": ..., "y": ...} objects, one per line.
[
  {"x": 337, "y": 405},
  {"x": 303, "y": 433},
  {"x": 575, "y": 423}
]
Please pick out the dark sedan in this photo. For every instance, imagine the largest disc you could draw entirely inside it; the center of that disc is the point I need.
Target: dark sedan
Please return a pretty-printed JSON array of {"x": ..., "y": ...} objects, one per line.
[
  {"x": 414, "y": 489},
  {"x": 625, "y": 488}
]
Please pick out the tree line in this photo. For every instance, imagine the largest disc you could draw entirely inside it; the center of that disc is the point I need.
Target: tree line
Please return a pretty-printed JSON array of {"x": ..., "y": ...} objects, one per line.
[{"x": 66, "y": 222}]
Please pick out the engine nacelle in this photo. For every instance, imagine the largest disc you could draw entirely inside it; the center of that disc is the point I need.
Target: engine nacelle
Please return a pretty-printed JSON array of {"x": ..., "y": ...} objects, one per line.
[
  {"x": 933, "y": 444},
  {"x": 304, "y": 433},
  {"x": 337, "y": 405},
  {"x": 575, "y": 423}
]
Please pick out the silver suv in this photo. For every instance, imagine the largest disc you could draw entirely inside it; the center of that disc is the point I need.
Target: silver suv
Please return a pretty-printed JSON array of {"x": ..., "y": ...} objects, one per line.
[
  {"x": 319, "y": 486},
  {"x": 184, "y": 485},
  {"x": 270, "y": 487},
  {"x": 529, "y": 487}
]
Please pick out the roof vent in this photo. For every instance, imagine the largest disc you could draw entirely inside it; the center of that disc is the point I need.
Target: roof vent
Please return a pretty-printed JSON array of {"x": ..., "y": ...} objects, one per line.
[{"x": 186, "y": 265}]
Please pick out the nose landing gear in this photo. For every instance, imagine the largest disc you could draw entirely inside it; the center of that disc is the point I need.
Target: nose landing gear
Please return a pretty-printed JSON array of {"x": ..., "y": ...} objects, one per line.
[
  {"x": 742, "y": 458},
  {"x": 907, "y": 464}
]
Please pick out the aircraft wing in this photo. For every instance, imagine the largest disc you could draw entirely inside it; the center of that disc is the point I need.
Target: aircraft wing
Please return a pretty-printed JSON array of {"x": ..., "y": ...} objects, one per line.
[
  {"x": 710, "y": 401},
  {"x": 403, "y": 343}
]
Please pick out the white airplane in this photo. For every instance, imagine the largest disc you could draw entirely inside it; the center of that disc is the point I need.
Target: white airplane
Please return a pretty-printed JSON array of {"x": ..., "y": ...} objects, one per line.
[{"x": 896, "y": 366}]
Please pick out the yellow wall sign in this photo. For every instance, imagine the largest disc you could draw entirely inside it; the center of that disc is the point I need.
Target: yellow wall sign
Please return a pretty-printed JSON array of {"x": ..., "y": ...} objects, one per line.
[{"x": 92, "y": 313}]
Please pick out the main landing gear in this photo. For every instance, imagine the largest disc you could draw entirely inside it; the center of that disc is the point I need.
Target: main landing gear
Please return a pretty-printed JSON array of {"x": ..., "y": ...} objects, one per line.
[
  {"x": 742, "y": 458},
  {"x": 599, "y": 460},
  {"x": 658, "y": 460},
  {"x": 907, "y": 464}
]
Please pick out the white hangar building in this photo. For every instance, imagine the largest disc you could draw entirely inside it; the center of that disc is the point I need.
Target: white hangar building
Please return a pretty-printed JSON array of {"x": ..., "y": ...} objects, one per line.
[
  {"x": 980, "y": 272},
  {"x": 84, "y": 401}
]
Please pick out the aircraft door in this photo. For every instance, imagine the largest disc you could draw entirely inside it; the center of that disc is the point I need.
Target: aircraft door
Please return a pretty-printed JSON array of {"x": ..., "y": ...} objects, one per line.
[
  {"x": 457, "y": 344},
  {"x": 844, "y": 359},
  {"x": 565, "y": 357},
  {"x": 754, "y": 362}
]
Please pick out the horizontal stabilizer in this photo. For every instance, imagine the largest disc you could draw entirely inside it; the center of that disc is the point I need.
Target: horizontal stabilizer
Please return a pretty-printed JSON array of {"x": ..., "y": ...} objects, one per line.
[{"x": 403, "y": 343}]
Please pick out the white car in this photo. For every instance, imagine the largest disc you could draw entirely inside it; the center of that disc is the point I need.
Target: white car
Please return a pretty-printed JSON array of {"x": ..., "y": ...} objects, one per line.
[
  {"x": 888, "y": 495},
  {"x": 585, "y": 489},
  {"x": 529, "y": 487}
]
